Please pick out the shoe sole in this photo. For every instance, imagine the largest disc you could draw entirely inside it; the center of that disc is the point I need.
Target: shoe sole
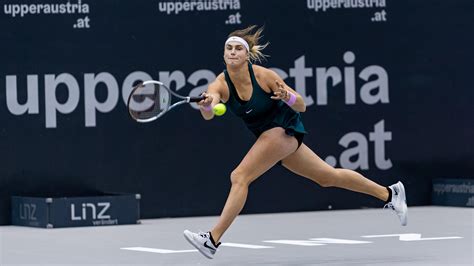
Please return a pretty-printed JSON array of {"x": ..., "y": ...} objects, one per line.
[
  {"x": 404, "y": 201},
  {"x": 196, "y": 246}
]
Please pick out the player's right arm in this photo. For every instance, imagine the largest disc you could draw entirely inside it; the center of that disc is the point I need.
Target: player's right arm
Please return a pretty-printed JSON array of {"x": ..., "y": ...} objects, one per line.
[{"x": 213, "y": 96}]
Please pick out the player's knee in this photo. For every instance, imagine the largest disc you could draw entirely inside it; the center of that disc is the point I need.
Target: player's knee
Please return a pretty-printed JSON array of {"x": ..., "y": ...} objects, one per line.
[{"x": 239, "y": 178}]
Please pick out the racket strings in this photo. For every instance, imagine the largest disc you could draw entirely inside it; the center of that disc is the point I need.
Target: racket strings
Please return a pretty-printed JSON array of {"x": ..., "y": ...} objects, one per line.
[{"x": 149, "y": 101}]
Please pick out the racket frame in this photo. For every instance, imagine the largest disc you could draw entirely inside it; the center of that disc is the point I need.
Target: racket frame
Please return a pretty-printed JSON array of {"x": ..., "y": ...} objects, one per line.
[{"x": 185, "y": 99}]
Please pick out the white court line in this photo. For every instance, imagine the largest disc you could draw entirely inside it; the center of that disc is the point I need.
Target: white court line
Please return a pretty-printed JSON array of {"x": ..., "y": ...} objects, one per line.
[
  {"x": 169, "y": 251},
  {"x": 317, "y": 242},
  {"x": 307, "y": 243},
  {"x": 236, "y": 245},
  {"x": 413, "y": 237},
  {"x": 310, "y": 242},
  {"x": 161, "y": 251},
  {"x": 339, "y": 241}
]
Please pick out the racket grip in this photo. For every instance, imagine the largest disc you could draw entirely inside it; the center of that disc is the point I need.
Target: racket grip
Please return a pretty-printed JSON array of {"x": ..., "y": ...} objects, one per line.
[{"x": 196, "y": 99}]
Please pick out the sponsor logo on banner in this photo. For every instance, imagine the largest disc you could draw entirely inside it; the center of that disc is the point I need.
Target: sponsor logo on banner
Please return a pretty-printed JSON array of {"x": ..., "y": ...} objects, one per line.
[
  {"x": 27, "y": 211},
  {"x": 374, "y": 90},
  {"x": 327, "y": 5},
  {"x": 453, "y": 192},
  {"x": 95, "y": 212},
  {"x": 68, "y": 8},
  {"x": 183, "y": 6}
]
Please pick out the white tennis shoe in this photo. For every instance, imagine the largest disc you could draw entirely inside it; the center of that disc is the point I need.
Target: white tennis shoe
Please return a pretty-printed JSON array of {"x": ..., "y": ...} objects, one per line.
[
  {"x": 398, "y": 203},
  {"x": 202, "y": 242}
]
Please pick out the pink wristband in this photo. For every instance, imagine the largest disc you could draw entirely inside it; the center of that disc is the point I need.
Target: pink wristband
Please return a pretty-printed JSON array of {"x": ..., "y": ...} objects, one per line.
[
  {"x": 292, "y": 100},
  {"x": 206, "y": 108}
]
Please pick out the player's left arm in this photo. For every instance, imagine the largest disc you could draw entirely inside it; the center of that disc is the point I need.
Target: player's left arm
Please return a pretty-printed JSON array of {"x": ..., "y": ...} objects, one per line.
[{"x": 283, "y": 92}]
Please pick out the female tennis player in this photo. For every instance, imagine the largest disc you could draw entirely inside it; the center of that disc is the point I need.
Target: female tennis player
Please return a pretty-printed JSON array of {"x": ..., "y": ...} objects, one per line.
[{"x": 271, "y": 110}]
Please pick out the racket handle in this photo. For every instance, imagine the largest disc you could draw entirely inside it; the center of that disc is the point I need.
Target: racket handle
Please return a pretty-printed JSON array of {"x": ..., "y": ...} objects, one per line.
[{"x": 196, "y": 99}]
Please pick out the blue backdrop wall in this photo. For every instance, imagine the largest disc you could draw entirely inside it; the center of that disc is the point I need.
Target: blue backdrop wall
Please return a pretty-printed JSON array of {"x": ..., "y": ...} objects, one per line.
[{"x": 388, "y": 87}]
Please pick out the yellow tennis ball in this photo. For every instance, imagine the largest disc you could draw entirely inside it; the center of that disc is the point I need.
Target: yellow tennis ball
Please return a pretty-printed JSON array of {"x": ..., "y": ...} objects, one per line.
[{"x": 219, "y": 109}]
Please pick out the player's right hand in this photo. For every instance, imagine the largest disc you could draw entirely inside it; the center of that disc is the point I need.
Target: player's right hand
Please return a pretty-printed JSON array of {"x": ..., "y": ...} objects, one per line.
[{"x": 206, "y": 102}]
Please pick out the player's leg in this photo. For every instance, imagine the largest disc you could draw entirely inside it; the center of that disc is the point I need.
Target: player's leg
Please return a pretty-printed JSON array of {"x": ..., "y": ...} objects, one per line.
[
  {"x": 272, "y": 146},
  {"x": 306, "y": 163}
]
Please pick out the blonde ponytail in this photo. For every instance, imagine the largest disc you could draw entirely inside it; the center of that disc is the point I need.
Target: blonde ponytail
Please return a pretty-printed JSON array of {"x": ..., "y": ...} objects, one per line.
[{"x": 255, "y": 53}]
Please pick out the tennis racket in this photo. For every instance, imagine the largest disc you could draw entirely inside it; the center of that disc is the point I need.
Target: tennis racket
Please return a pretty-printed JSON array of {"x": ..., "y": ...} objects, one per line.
[{"x": 150, "y": 100}]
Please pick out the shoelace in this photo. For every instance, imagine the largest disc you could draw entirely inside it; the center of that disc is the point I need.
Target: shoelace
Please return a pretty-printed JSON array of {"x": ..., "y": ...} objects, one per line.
[
  {"x": 389, "y": 205},
  {"x": 202, "y": 234}
]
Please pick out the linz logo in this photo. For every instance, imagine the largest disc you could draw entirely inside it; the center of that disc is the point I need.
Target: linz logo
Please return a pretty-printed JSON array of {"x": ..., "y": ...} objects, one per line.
[
  {"x": 28, "y": 211},
  {"x": 90, "y": 210}
]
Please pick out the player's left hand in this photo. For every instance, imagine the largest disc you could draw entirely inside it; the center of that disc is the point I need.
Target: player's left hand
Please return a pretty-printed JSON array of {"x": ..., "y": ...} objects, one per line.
[{"x": 280, "y": 93}]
